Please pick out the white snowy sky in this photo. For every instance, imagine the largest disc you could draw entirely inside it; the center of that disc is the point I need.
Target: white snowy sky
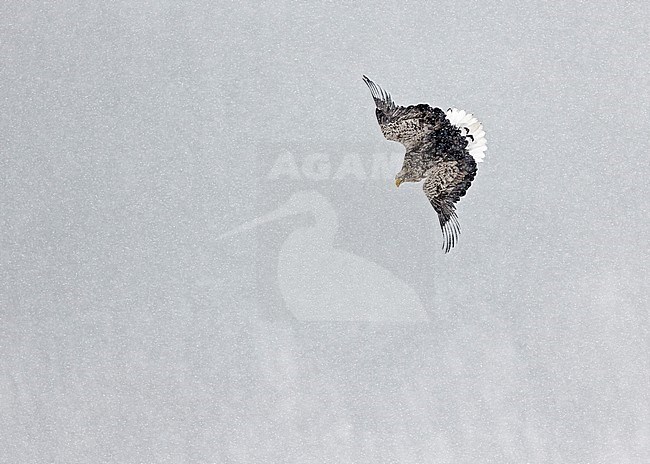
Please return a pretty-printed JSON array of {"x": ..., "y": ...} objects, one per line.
[{"x": 134, "y": 134}]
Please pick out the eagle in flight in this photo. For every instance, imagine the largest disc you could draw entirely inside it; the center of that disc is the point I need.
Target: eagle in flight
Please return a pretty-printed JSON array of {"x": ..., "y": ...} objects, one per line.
[{"x": 442, "y": 147}]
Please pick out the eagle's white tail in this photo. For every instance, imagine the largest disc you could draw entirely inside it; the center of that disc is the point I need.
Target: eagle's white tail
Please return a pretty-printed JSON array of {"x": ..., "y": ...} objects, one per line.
[{"x": 472, "y": 129}]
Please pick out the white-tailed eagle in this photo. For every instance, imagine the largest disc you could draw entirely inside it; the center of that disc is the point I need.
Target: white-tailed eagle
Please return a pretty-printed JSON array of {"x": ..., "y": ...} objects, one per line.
[{"x": 442, "y": 147}]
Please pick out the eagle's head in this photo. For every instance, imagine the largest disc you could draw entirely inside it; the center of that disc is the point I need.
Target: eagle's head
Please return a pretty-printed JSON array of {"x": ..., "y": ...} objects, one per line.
[
  {"x": 411, "y": 171},
  {"x": 408, "y": 176}
]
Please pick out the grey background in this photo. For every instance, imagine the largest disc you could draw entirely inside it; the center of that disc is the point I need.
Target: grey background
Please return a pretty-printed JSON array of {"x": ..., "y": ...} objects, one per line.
[{"x": 132, "y": 135}]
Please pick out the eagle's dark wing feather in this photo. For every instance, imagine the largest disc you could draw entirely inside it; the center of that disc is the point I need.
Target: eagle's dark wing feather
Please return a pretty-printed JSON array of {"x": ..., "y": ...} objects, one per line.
[
  {"x": 407, "y": 125},
  {"x": 382, "y": 99},
  {"x": 446, "y": 183}
]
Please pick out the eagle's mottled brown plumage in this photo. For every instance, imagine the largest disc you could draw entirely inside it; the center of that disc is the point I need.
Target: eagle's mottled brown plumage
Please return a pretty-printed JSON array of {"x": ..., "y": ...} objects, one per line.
[{"x": 440, "y": 147}]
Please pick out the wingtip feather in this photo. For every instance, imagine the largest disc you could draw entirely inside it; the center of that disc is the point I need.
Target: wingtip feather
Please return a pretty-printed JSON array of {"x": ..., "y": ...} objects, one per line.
[{"x": 450, "y": 233}]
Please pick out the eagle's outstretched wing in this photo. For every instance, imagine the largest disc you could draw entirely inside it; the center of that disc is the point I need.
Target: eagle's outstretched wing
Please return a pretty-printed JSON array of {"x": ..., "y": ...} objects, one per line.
[
  {"x": 408, "y": 125},
  {"x": 446, "y": 183},
  {"x": 441, "y": 147}
]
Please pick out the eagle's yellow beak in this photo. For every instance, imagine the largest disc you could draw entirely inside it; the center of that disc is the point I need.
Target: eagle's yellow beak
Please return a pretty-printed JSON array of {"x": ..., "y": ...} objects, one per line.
[{"x": 398, "y": 181}]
